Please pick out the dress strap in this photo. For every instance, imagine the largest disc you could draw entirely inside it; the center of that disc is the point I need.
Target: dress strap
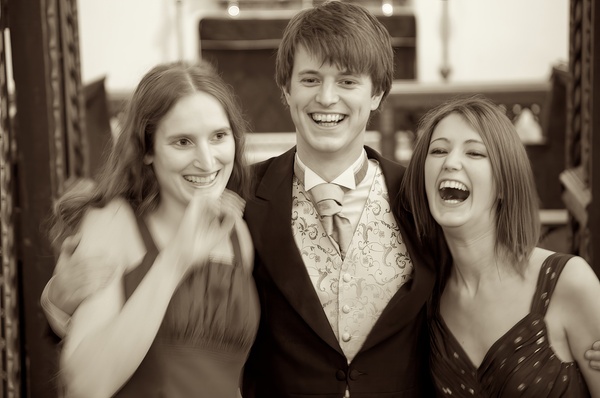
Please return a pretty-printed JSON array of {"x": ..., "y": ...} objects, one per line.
[
  {"x": 132, "y": 279},
  {"x": 237, "y": 252},
  {"x": 547, "y": 279}
]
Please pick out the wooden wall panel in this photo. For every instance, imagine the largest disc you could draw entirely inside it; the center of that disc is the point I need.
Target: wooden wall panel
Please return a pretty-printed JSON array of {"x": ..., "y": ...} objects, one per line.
[
  {"x": 581, "y": 178},
  {"x": 50, "y": 149}
]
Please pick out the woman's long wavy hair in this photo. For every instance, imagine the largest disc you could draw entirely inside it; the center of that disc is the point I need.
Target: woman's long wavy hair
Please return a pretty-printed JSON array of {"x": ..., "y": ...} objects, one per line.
[{"x": 124, "y": 173}]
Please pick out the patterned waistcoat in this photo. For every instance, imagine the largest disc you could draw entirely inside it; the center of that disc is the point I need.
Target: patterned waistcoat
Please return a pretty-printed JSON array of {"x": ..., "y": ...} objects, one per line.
[{"x": 353, "y": 291}]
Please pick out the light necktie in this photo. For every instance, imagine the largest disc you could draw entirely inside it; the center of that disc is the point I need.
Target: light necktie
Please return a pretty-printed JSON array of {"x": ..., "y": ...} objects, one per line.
[{"x": 328, "y": 199}]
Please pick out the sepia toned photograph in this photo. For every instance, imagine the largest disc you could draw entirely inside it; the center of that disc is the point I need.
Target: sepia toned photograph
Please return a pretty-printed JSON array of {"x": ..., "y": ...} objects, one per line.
[{"x": 299, "y": 198}]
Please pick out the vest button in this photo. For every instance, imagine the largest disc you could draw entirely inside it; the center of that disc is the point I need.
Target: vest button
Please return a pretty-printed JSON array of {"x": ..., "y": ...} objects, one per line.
[
  {"x": 346, "y": 337},
  {"x": 347, "y": 277},
  {"x": 354, "y": 374},
  {"x": 346, "y": 309},
  {"x": 340, "y": 375}
]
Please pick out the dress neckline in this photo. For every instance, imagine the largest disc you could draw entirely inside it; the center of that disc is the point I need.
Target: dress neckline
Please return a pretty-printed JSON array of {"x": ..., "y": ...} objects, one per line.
[
  {"x": 493, "y": 348},
  {"x": 531, "y": 315}
]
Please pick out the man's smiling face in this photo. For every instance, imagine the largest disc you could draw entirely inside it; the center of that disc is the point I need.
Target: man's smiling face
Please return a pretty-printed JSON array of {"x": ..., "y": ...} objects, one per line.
[{"x": 330, "y": 107}]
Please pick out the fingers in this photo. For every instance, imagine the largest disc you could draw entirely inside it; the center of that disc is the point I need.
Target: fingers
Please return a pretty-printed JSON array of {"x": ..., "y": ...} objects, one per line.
[
  {"x": 80, "y": 278},
  {"x": 231, "y": 209},
  {"x": 67, "y": 250},
  {"x": 202, "y": 209},
  {"x": 70, "y": 244},
  {"x": 232, "y": 201},
  {"x": 594, "y": 363},
  {"x": 197, "y": 218},
  {"x": 225, "y": 224},
  {"x": 194, "y": 208},
  {"x": 206, "y": 224},
  {"x": 593, "y": 355}
]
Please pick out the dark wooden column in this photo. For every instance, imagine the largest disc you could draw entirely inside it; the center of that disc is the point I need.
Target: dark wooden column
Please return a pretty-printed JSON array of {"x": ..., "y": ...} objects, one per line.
[
  {"x": 10, "y": 342},
  {"x": 48, "y": 126},
  {"x": 581, "y": 178}
]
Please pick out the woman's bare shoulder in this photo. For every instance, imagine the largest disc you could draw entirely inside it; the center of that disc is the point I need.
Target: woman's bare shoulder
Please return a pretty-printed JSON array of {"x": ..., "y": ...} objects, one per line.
[{"x": 578, "y": 282}]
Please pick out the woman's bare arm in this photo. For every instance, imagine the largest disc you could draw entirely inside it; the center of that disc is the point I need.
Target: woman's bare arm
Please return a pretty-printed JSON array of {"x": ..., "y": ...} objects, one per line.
[{"x": 578, "y": 293}]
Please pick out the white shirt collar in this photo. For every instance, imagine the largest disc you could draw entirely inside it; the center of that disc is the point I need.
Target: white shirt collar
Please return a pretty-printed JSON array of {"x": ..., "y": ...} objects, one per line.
[{"x": 345, "y": 179}]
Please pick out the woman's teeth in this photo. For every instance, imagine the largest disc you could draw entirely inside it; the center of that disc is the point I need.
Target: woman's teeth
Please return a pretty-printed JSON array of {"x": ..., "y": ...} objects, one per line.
[
  {"x": 453, "y": 191},
  {"x": 201, "y": 180}
]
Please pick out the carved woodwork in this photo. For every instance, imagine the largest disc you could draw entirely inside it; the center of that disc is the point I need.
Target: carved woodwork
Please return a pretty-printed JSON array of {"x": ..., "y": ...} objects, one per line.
[
  {"x": 9, "y": 294},
  {"x": 580, "y": 184},
  {"x": 50, "y": 148}
]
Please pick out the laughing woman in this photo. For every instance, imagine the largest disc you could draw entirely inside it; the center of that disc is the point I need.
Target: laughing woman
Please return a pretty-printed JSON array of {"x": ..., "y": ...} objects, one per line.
[
  {"x": 509, "y": 319},
  {"x": 179, "y": 317}
]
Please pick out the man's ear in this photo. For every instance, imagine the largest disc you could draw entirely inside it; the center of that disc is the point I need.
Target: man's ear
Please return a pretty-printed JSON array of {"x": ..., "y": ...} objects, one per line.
[
  {"x": 286, "y": 95},
  {"x": 376, "y": 100}
]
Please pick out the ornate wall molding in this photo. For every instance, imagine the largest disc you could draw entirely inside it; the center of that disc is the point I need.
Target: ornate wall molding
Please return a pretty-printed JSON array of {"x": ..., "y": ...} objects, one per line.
[
  {"x": 50, "y": 148},
  {"x": 69, "y": 149},
  {"x": 9, "y": 310},
  {"x": 74, "y": 102},
  {"x": 578, "y": 178}
]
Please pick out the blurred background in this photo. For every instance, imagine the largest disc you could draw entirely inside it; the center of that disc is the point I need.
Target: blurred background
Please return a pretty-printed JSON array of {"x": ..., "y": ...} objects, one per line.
[{"x": 68, "y": 66}]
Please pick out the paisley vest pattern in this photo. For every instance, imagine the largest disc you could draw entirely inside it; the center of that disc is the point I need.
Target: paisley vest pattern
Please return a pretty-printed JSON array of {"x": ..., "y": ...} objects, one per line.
[{"x": 353, "y": 291}]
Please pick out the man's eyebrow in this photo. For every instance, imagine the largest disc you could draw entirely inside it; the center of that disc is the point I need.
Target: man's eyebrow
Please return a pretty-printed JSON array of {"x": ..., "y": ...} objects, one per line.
[{"x": 308, "y": 72}]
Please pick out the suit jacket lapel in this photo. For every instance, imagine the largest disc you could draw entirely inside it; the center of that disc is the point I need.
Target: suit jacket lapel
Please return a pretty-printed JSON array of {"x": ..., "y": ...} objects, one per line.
[{"x": 269, "y": 219}]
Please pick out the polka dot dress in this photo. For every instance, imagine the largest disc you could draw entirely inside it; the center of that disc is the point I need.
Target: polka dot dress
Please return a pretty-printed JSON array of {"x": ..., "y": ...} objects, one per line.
[{"x": 521, "y": 363}]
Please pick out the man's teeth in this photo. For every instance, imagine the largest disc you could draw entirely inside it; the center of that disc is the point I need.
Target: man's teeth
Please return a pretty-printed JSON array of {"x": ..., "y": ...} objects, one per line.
[
  {"x": 201, "y": 180},
  {"x": 327, "y": 117}
]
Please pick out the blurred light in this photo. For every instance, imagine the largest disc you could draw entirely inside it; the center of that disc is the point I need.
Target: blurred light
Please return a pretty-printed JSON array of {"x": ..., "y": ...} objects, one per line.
[
  {"x": 233, "y": 9},
  {"x": 387, "y": 8}
]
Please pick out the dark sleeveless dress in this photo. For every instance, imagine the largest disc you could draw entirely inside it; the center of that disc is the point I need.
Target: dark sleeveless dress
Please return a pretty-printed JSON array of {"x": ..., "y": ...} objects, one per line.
[
  {"x": 206, "y": 334},
  {"x": 521, "y": 363}
]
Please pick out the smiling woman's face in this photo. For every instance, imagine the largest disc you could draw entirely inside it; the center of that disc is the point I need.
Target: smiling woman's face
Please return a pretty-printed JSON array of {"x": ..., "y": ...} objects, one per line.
[
  {"x": 194, "y": 148},
  {"x": 458, "y": 175}
]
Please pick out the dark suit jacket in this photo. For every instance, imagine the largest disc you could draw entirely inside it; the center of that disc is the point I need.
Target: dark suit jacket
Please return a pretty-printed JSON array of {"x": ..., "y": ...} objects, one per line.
[{"x": 296, "y": 353}]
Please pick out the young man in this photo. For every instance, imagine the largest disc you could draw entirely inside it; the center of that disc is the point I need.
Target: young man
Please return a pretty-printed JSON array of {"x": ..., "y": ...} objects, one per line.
[{"x": 340, "y": 316}]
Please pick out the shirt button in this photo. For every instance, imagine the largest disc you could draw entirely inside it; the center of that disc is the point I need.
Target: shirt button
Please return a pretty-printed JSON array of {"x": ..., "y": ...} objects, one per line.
[
  {"x": 347, "y": 277},
  {"x": 346, "y": 337},
  {"x": 346, "y": 309}
]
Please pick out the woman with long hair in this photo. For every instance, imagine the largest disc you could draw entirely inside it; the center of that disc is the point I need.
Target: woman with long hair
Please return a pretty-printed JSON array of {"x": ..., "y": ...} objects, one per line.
[{"x": 181, "y": 312}]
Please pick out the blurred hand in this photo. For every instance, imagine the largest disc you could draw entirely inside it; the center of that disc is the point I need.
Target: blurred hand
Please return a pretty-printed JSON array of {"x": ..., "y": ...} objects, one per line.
[
  {"x": 593, "y": 356},
  {"x": 205, "y": 224},
  {"x": 231, "y": 203},
  {"x": 76, "y": 278}
]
